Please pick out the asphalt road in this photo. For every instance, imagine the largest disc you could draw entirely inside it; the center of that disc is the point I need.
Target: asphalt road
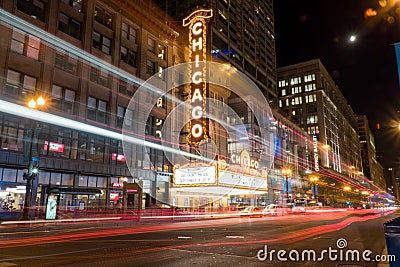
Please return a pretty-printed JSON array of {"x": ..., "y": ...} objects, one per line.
[{"x": 212, "y": 242}]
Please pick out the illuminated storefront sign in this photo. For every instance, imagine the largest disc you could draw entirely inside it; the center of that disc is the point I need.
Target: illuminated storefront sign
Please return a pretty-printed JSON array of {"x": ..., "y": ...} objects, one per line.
[
  {"x": 240, "y": 180},
  {"x": 55, "y": 147},
  {"x": 118, "y": 157},
  {"x": 117, "y": 185},
  {"x": 114, "y": 196},
  {"x": 195, "y": 176},
  {"x": 197, "y": 87}
]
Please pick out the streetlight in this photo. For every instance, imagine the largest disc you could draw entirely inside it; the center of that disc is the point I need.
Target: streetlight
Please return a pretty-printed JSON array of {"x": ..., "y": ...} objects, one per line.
[
  {"x": 314, "y": 180},
  {"x": 31, "y": 155},
  {"x": 286, "y": 172}
]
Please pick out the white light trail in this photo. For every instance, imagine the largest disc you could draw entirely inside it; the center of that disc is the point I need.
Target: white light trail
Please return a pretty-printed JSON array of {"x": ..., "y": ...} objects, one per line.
[{"x": 21, "y": 111}]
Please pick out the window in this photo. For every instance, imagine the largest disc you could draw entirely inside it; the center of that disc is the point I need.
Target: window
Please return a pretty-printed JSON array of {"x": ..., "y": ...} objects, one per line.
[
  {"x": 128, "y": 56},
  {"x": 297, "y": 101},
  {"x": 128, "y": 32},
  {"x": 311, "y": 98},
  {"x": 19, "y": 83},
  {"x": 57, "y": 142},
  {"x": 12, "y": 136},
  {"x": 91, "y": 147},
  {"x": 34, "y": 8},
  {"x": 128, "y": 117},
  {"x": 283, "y": 92},
  {"x": 312, "y": 119},
  {"x": 296, "y": 80},
  {"x": 102, "y": 16},
  {"x": 97, "y": 110},
  {"x": 69, "y": 26},
  {"x": 151, "y": 45},
  {"x": 123, "y": 88},
  {"x": 283, "y": 83},
  {"x": 310, "y": 87},
  {"x": 117, "y": 153},
  {"x": 296, "y": 90},
  {"x": 25, "y": 44},
  {"x": 99, "y": 76},
  {"x": 63, "y": 98},
  {"x": 102, "y": 43},
  {"x": 120, "y": 116},
  {"x": 151, "y": 67},
  {"x": 75, "y": 4},
  {"x": 313, "y": 130},
  {"x": 309, "y": 78},
  {"x": 66, "y": 63}
]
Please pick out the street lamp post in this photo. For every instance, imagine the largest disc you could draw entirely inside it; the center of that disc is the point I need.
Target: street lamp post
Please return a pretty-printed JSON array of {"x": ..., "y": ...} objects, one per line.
[
  {"x": 31, "y": 155},
  {"x": 286, "y": 172}
]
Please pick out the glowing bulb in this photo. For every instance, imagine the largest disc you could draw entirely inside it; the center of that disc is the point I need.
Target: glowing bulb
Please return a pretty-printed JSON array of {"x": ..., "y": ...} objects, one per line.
[
  {"x": 40, "y": 101},
  {"x": 32, "y": 103}
]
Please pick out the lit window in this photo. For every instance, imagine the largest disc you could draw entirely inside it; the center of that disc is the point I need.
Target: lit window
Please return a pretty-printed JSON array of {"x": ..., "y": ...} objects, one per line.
[{"x": 102, "y": 16}]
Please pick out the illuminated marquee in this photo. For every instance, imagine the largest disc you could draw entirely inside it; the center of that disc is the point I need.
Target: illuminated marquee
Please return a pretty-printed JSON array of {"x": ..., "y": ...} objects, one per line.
[{"x": 197, "y": 87}]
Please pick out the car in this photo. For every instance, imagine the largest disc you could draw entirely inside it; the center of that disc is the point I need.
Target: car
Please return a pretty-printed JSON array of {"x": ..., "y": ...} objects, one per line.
[
  {"x": 251, "y": 211},
  {"x": 274, "y": 210}
]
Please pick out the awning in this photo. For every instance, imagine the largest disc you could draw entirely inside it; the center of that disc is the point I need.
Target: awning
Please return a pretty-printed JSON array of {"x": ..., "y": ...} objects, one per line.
[{"x": 74, "y": 191}]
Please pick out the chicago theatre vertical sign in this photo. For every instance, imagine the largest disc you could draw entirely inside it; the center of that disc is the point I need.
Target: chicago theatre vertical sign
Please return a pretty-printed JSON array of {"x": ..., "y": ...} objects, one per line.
[{"x": 197, "y": 87}]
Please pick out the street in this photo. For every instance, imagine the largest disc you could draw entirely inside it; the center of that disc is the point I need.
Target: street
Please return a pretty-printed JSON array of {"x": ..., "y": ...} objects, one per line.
[{"x": 207, "y": 242}]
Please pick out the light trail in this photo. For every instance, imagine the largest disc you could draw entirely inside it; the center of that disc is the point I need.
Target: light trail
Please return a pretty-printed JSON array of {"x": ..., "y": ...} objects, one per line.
[
  {"x": 286, "y": 221},
  {"x": 21, "y": 111}
]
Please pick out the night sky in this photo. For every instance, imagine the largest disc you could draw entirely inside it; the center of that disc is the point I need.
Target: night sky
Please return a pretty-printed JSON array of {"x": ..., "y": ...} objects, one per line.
[{"x": 365, "y": 70}]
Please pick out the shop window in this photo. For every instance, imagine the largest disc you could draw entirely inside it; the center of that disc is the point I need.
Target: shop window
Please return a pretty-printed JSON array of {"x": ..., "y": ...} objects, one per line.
[
  {"x": 83, "y": 180},
  {"x": 9, "y": 175},
  {"x": 44, "y": 177},
  {"x": 92, "y": 181},
  {"x": 102, "y": 182},
  {"x": 34, "y": 8},
  {"x": 55, "y": 178}
]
